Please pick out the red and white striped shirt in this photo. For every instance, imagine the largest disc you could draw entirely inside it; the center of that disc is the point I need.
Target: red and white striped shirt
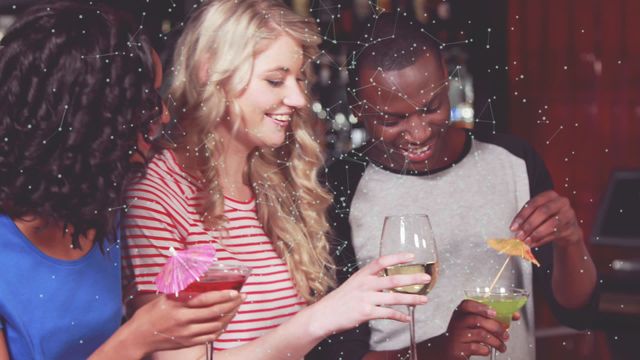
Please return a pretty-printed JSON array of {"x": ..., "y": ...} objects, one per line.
[{"x": 161, "y": 213}]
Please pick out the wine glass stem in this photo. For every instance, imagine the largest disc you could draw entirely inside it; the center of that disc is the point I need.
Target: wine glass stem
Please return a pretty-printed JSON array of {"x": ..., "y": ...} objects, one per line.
[
  {"x": 493, "y": 354},
  {"x": 209, "y": 346},
  {"x": 412, "y": 331}
]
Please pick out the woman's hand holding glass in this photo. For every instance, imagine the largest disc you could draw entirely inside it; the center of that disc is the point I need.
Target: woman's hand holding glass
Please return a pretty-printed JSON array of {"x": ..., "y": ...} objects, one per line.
[
  {"x": 361, "y": 298},
  {"x": 165, "y": 323}
]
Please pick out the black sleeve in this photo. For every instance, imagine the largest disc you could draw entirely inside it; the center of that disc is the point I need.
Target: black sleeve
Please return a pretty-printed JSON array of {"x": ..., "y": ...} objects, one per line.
[
  {"x": 584, "y": 317},
  {"x": 539, "y": 182},
  {"x": 539, "y": 178},
  {"x": 348, "y": 345},
  {"x": 342, "y": 179}
]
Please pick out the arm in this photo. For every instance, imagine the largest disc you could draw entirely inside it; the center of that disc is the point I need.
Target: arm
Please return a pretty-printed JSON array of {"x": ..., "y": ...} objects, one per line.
[
  {"x": 574, "y": 276},
  {"x": 4, "y": 352},
  {"x": 165, "y": 324},
  {"x": 548, "y": 224},
  {"x": 358, "y": 300},
  {"x": 549, "y": 218},
  {"x": 355, "y": 302}
]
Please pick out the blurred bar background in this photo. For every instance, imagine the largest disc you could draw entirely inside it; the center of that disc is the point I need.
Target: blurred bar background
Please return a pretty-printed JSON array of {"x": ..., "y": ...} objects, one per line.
[{"x": 563, "y": 74}]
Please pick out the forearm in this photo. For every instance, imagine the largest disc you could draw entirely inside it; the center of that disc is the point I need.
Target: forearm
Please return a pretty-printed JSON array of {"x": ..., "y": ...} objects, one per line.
[
  {"x": 4, "y": 352},
  {"x": 574, "y": 275},
  {"x": 121, "y": 345},
  {"x": 291, "y": 340}
]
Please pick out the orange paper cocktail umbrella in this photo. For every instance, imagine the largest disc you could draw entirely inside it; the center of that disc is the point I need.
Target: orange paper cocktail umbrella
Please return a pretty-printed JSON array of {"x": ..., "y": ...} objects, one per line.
[{"x": 513, "y": 247}]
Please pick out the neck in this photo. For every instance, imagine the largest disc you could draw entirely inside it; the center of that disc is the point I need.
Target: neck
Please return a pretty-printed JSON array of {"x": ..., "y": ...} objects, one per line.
[
  {"x": 454, "y": 145},
  {"x": 51, "y": 238}
]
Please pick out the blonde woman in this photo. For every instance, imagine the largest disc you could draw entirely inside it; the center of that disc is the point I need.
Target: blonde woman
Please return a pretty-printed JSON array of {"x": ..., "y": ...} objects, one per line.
[{"x": 239, "y": 171}]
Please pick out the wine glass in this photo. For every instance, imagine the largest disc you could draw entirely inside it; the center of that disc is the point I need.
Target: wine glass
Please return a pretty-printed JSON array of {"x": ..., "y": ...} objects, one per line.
[
  {"x": 413, "y": 234},
  {"x": 218, "y": 277},
  {"x": 505, "y": 301}
]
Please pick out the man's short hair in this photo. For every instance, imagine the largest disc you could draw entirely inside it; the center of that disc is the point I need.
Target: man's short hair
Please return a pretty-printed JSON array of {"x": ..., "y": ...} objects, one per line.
[{"x": 390, "y": 41}]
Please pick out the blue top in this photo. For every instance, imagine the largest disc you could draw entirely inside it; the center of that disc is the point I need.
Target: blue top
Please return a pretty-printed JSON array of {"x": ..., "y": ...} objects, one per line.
[{"x": 56, "y": 309}]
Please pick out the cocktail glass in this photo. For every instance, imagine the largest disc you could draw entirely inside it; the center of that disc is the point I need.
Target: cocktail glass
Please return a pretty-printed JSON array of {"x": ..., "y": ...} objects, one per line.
[
  {"x": 218, "y": 277},
  {"x": 505, "y": 301}
]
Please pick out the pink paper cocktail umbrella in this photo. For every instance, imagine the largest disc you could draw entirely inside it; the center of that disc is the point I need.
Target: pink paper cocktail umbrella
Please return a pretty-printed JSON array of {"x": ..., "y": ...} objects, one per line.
[{"x": 184, "y": 267}]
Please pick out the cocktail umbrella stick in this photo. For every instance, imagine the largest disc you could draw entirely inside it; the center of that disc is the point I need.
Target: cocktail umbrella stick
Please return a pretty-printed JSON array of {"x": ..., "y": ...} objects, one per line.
[{"x": 495, "y": 280}]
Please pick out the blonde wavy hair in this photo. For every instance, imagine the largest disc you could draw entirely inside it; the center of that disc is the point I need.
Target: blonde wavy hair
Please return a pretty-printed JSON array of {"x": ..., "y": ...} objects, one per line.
[{"x": 291, "y": 204}]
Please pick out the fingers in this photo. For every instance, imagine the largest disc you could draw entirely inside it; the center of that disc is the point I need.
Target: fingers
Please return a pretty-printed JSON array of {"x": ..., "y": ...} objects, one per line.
[
  {"x": 206, "y": 338},
  {"x": 547, "y": 230},
  {"x": 392, "y": 298},
  {"x": 484, "y": 337},
  {"x": 481, "y": 322},
  {"x": 213, "y": 297},
  {"x": 478, "y": 349},
  {"x": 197, "y": 330},
  {"x": 540, "y": 215},
  {"x": 395, "y": 281},
  {"x": 377, "y": 312},
  {"x": 563, "y": 225},
  {"x": 530, "y": 207},
  {"x": 212, "y": 313},
  {"x": 379, "y": 264},
  {"x": 193, "y": 337}
]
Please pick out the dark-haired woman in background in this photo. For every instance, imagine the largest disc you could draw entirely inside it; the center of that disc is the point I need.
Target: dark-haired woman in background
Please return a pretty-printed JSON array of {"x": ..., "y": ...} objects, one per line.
[{"x": 76, "y": 91}]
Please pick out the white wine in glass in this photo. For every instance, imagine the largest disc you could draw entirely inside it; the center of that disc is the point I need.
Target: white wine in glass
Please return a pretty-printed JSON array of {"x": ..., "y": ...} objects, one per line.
[
  {"x": 406, "y": 269},
  {"x": 413, "y": 234}
]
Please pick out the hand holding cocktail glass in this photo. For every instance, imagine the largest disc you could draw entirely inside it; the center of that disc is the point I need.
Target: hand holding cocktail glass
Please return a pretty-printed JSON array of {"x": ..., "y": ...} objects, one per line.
[
  {"x": 191, "y": 273},
  {"x": 472, "y": 331},
  {"x": 504, "y": 301}
]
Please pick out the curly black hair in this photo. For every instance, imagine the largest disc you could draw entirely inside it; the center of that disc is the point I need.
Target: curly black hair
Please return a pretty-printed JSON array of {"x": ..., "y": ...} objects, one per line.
[{"x": 76, "y": 83}]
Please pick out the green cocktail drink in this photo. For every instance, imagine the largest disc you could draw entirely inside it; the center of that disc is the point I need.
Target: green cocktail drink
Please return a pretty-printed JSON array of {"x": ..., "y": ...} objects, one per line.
[
  {"x": 505, "y": 301},
  {"x": 504, "y": 305}
]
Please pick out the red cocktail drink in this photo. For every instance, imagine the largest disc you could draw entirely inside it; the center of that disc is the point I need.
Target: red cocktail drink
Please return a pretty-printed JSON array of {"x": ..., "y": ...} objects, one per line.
[
  {"x": 218, "y": 277},
  {"x": 224, "y": 282}
]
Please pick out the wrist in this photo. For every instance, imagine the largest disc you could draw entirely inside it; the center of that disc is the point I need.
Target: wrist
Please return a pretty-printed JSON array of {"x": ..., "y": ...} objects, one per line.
[
  {"x": 433, "y": 347},
  {"x": 131, "y": 341},
  {"x": 311, "y": 318},
  {"x": 574, "y": 240},
  {"x": 569, "y": 245}
]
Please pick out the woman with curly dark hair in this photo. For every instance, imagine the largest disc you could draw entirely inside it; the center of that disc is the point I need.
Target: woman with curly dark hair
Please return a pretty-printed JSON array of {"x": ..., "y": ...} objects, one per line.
[{"x": 77, "y": 89}]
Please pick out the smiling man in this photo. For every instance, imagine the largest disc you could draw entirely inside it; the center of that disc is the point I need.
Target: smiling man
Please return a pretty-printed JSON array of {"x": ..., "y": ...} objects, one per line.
[
  {"x": 472, "y": 189},
  {"x": 403, "y": 104}
]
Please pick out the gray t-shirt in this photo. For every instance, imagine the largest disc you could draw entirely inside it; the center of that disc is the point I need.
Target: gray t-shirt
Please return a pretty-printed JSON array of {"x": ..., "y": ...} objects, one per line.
[{"x": 467, "y": 204}]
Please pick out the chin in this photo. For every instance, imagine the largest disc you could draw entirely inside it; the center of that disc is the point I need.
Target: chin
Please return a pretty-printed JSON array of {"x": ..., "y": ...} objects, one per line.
[
  {"x": 274, "y": 143},
  {"x": 420, "y": 167}
]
